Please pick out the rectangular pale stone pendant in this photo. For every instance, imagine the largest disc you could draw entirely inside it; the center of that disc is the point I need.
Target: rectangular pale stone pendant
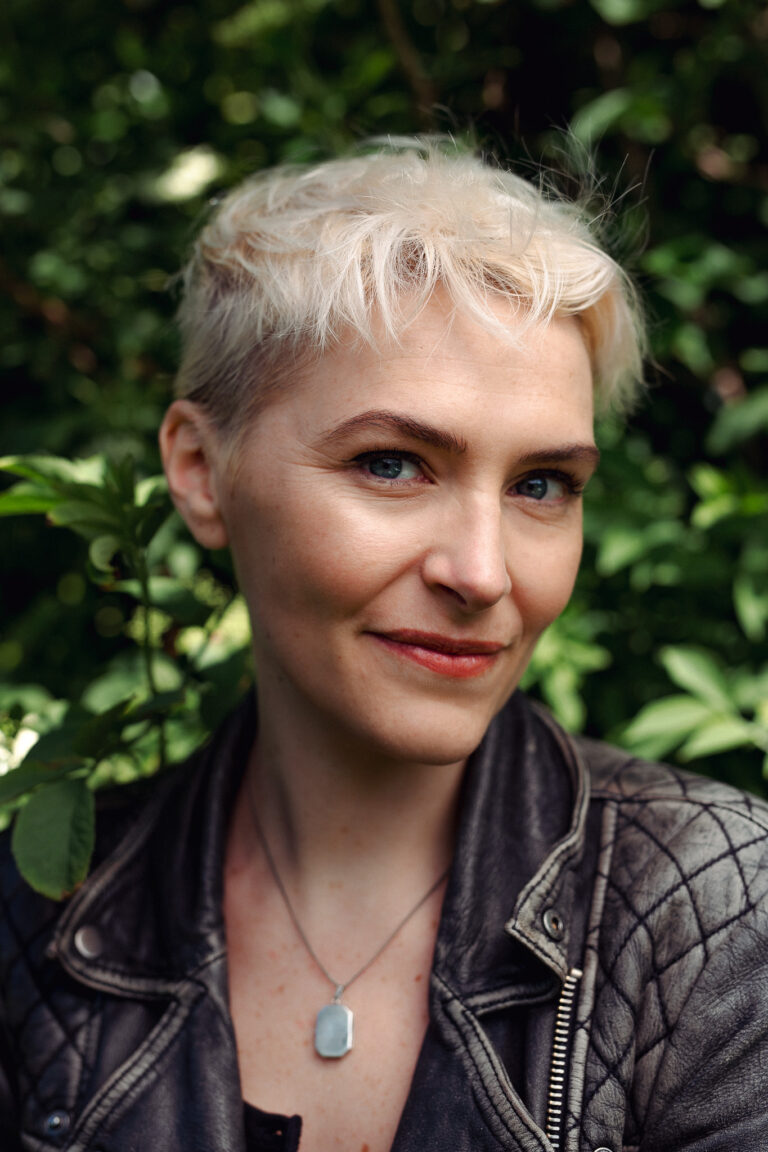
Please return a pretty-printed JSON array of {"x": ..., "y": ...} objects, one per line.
[{"x": 333, "y": 1031}]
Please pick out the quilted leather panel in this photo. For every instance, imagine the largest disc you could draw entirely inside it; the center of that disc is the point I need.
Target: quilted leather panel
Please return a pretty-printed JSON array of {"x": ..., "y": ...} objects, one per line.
[
  {"x": 685, "y": 875},
  {"x": 47, "y": 1017}
]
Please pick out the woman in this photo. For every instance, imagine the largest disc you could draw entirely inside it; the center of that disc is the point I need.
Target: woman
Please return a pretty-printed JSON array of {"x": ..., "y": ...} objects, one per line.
[{"x": 401, "y": 909}]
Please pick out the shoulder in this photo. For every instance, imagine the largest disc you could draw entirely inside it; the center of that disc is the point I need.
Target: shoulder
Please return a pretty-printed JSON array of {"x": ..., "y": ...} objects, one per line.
[
  {"x": 684, "y": 860},
  {"x": 673, "y": 836},
  {"x": 634, "y": 785}
]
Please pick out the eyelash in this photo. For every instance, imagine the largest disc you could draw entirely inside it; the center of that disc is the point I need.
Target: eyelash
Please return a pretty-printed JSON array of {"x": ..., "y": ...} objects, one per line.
[{"x": 573, "y": 486}]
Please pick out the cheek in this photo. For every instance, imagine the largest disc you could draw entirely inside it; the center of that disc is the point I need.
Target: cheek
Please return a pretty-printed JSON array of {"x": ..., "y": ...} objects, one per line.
[
  {"x": 544, "y": 582},
  {"x": 300, "y": 562}
]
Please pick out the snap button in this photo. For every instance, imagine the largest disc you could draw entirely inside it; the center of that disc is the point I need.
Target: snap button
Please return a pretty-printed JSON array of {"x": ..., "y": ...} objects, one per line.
[
  {"x": 601, "y": 1149},
  {"x": 88, "y": 942},
  {"x": 57, "y": 1122},
  {"x": 554, "y": 926}
]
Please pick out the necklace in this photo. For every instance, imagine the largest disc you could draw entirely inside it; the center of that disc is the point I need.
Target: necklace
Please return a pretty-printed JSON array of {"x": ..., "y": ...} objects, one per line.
[{"x": 335, "y": 1021}]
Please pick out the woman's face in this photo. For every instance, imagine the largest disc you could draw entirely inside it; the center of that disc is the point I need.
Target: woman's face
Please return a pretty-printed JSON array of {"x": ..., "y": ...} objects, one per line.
[{"x": 405, "y": 524}]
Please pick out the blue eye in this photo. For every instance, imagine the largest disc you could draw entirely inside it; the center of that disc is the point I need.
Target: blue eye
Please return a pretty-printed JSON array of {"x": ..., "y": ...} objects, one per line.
[
  {"x": 542, "y": 487},
  {"x": 389, "y": 466}
]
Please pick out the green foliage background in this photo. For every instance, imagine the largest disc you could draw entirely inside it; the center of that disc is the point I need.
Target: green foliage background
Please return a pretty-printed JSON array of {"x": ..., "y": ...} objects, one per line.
[{"x": 119, "y": 121}]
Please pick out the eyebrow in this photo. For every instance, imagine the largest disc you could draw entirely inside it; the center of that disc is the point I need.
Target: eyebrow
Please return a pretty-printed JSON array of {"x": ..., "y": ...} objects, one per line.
[
  {"x": 397, "y": 423},
  {"x": 562, "y": 454}
]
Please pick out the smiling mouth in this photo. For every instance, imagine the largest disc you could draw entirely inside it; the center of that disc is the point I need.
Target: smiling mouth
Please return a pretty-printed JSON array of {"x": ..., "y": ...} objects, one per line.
[{"x": 442, "y": 654}]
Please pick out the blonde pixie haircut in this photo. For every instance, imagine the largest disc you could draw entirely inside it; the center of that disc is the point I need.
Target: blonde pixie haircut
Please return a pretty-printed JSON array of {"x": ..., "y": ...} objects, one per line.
[{"x": 297, "y": 258}]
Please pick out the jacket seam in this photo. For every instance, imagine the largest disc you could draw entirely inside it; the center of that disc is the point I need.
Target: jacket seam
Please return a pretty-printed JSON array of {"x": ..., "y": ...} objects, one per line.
[
  {"x": 745, "y": 912},
  {"x": 741, "y": 814},
  {"x": 586, "y": 1000}
]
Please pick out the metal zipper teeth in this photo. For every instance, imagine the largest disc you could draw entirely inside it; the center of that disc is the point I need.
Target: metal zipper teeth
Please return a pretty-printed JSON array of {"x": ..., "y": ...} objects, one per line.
[{"x": 555, "y": 1098}]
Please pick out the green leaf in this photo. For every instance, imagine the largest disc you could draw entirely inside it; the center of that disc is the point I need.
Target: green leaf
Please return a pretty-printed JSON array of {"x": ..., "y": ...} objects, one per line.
[
  {"x": 170, "y": 595},
  {"x": 698, "y": 672},
  {"x": 708, "y": 512},
  {"x": 719, "y": 734},
  {"x": 53, "y": 836},
  {"x": 85, "y": 518},
  {"x": 94, "y": 735},
  {"x": 58, "y": 744},
  {"x": 661, "y": 725},
  {"x": 55, "y": 470},
  {"x": 157, "y": 706},
  {"x": 30, "y": 775},
  {"x": 151, "y": 518},
  {"x": 739, "y": 421},
  {"x": 25, "y": 498},
  {"x": 620, "y": 545},
  {"x": 253, "y": 20},
  {"x": 624, "y": 544},
  {"x": 602, "y": 113},
  {"x": 25, "y": 697},
  {"x": 121, "y": 478},
  {"x": 151, "y": 488},
  {"x": 101, "y": 552},
  {"x": 751, "y": 607},
  {"x": 710, "y": 483}
]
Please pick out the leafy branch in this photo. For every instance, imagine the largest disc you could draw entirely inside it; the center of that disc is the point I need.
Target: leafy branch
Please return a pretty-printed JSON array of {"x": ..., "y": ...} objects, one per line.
[
  {"x": 189, "y": 657},
  {"x": 717, "y": 711}
]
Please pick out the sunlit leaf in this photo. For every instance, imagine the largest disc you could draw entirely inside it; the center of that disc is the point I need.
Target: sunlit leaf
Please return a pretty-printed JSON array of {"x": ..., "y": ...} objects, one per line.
[
  {"x": 54, "y": 468},
  {"x": 102, "y": 552},
  {"x": 718, "y": 734},
  {"x": 25, "y": 498},
  {"x": 698, "y": 672},
  {"x": 661, "y": 725},
  {"x": 591, "y": 121}
]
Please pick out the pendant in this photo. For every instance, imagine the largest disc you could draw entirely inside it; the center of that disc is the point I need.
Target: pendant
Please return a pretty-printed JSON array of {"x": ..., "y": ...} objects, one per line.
[{"x": 334, "y": 1029}]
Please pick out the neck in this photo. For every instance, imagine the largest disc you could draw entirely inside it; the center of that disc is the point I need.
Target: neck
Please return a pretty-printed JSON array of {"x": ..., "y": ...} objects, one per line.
[{"x": 338, "y": 817}]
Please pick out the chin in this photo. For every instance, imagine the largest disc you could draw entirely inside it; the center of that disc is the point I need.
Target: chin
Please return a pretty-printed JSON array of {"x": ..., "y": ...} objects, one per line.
[{"x": 432, "y": 739}]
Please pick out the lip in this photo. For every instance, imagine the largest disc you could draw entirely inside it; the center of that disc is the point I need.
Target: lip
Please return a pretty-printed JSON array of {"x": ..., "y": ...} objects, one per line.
[{"x": 446, "y": 655}]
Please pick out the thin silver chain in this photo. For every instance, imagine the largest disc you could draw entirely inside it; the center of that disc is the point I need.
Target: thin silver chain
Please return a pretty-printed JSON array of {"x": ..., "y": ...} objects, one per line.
[{"x": 340, "y": 988}]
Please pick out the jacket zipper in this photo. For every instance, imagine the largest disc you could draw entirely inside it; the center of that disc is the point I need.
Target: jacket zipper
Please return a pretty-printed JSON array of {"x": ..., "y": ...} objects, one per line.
[{"x": 557, "y": 1073}]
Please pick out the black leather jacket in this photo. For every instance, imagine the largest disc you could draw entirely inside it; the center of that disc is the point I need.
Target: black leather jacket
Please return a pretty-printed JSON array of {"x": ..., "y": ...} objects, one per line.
[{"x": 600, "y": 978}]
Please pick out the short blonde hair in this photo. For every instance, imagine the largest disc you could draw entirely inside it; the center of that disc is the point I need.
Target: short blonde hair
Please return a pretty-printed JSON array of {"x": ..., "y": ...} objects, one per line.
[{"x": 296, "y": 258}]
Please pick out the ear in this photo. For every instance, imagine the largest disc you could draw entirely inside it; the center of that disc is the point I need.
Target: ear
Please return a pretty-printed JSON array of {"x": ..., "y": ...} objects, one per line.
[{"x": 192, "y": 458}]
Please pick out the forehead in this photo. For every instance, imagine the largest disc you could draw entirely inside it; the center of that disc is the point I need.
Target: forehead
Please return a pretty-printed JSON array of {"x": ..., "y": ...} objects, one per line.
[{"x": 449, "y": 370}]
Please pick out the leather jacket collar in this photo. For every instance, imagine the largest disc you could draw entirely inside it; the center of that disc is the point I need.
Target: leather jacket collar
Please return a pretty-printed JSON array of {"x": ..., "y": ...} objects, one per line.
[{"x": 524, "y": 802}]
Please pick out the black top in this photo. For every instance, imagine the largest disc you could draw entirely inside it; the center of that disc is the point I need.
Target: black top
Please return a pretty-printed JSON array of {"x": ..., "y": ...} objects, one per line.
[{"x": 270, "y": 1132}]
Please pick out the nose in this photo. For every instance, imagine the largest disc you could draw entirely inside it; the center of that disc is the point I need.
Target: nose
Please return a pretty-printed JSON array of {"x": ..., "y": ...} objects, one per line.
[{"x": 468, "y": 561}]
